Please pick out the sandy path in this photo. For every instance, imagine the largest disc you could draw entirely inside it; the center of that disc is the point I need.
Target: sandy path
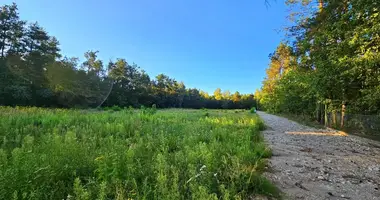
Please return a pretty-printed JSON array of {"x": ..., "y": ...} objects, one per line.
[{"x": 309, "y": 163}]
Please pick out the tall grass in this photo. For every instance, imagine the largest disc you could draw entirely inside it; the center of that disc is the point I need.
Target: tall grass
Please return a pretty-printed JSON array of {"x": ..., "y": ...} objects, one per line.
[{"x": 130, "y": 154}]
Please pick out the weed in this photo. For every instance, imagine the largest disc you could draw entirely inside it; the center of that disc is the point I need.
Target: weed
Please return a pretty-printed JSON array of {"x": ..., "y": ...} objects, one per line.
[
  {"x": 252, "y": 110},
  {"x": 134, "y": 154}
]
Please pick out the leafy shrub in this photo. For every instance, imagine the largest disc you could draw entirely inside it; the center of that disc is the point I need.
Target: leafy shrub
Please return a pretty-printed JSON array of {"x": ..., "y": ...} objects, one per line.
[
  {"x": 116, "y": 108},
  {"x": 252, "y": 110},
  {"x": 148, "y": 111}
]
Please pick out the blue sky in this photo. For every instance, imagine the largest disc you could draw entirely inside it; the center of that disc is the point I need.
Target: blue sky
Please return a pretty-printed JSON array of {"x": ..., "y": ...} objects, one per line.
[{"x": 204, "y": 43}]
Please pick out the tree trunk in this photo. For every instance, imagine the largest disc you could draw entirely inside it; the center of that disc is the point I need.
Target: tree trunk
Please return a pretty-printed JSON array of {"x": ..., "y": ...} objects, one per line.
[
  {"x": 317, "y": 113},
  {"x": 320, "y": 110},
  {"x": 3, "y": 47},
  {"x": 3, "y": 42},
  {"x": 326, "y": 119},
  {"x": 334, "y": 118}
]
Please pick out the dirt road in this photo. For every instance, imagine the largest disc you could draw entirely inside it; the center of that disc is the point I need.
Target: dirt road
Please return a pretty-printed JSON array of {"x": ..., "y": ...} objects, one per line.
[{"x": 314, "y": 164}]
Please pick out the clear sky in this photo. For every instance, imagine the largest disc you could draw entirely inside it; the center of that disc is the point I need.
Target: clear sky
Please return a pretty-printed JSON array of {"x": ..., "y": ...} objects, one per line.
[{"x": 204, "y": 43}]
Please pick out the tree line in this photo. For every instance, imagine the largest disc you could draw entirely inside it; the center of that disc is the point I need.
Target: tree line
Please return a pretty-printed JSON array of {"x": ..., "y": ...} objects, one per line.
[
  {"x": 33, "y": 72},
  {"x": 330, "y": 59}
]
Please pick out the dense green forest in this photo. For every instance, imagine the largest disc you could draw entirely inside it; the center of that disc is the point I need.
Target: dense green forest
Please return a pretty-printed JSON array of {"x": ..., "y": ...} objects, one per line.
[
  {"x": 330, "y": 59},
  {"x": 34, "y": 73}
]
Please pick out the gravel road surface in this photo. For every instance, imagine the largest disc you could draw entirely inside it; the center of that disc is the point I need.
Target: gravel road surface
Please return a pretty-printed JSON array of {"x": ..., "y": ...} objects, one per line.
[{"x": 319, "y": 164}]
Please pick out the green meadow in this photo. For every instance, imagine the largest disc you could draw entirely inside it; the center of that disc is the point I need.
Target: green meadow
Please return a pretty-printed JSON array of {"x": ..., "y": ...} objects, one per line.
[{"x": 131, "y": 154}]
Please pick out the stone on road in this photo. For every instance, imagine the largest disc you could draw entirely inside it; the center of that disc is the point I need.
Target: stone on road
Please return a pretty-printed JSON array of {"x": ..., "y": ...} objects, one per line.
[{"x": 319, "y": 164}]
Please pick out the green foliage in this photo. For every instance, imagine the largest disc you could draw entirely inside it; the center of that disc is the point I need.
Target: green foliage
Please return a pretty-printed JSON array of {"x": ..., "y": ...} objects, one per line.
[
  {"x": 252, "y": 110},
  {"x": 112, "y": 108},
  {"x": 148, "y": 111},
  {"x": 335, "y": 57},
  {"x": 116, "y": 108},
  {"x": 173, "y": 154}
]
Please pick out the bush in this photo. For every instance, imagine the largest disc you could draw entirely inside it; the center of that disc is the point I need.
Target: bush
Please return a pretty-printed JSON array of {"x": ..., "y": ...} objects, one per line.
[
  {"x": 253, "y": 110},
  {"x": 116, "y": 108},
  {"x": 148, "y": 111},
  {"x": 112, "y": 108}
]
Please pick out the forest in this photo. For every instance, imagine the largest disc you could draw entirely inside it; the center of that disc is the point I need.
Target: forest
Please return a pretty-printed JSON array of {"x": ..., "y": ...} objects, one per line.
[
  {"x": 33, "y": 72},
  {"x": 328, "y": 61}
]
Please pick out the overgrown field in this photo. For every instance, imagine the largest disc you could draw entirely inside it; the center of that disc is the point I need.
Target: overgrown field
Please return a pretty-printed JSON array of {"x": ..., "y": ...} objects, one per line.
[{"x": 131, "y": 154}]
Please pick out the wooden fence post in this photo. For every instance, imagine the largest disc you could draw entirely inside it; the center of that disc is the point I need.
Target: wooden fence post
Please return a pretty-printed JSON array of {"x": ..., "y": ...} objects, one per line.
[{"x": 342, "y": 117}]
